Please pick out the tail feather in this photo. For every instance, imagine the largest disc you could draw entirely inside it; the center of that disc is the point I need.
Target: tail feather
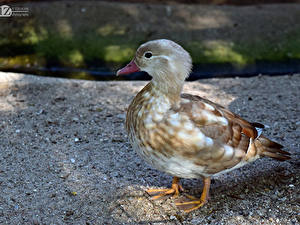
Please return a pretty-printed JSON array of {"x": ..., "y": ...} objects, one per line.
[{"x": 271, "y": 149}]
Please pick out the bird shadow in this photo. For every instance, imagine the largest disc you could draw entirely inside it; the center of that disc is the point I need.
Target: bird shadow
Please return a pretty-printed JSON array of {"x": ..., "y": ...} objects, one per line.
[{"x": 236, "y": 190}]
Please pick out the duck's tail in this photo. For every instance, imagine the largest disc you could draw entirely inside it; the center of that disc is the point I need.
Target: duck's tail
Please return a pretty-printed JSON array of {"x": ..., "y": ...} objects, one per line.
[{"x": 271, "y": 149}]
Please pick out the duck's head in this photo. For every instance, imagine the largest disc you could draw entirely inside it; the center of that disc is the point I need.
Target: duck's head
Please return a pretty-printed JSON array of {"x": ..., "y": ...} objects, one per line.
[{"x": 167, "y": 62}]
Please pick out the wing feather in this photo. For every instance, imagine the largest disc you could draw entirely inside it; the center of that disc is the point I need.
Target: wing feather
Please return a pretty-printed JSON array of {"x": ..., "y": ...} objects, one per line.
[{"x": 231, "y": 134}]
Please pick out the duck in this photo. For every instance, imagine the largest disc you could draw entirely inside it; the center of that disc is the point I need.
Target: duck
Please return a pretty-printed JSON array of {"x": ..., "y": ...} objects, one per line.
[{"x": 184, "y": 135}]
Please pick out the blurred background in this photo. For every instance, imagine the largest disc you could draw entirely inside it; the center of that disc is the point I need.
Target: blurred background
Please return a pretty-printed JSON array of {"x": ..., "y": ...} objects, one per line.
[{"x": 92, "y": 39}]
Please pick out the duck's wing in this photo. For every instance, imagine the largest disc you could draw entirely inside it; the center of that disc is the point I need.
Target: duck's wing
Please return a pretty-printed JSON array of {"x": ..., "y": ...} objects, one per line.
[
  {"x": 218, "y": 122},
  {"x": 234, "y": 138},
  {"x": 230, "y": 136}
]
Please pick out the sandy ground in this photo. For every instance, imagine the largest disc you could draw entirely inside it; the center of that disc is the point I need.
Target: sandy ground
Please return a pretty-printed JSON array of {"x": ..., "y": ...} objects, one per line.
[{"x": 65, "y": 158}]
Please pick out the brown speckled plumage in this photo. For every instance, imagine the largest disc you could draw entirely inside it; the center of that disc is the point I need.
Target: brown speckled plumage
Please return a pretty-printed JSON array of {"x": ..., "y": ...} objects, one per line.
[{"x": 185, "y": 135}]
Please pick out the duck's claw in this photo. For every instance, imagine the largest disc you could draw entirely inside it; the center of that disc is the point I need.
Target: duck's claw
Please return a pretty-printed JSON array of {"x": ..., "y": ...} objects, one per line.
[
  {"x": 175, "y": 190},
  {"x": 188, "y": 206}
]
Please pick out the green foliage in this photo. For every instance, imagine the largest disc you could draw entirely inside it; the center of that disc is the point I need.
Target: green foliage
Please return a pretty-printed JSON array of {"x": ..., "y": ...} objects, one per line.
[
  {"x": 105, "y": 46},
  {"x": 241, "y": 53},
  {"x": 89, "y": 48}
]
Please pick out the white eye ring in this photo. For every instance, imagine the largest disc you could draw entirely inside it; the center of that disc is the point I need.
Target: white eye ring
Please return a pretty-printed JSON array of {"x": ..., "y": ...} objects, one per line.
[{"x": 148, "y": 55}]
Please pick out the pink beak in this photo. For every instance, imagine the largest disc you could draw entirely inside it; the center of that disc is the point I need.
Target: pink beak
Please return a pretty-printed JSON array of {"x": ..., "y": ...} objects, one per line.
[{"x": 130, "y": 68}]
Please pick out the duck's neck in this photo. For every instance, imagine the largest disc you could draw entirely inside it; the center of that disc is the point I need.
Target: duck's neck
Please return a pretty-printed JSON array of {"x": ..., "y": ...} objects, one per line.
[
  {"x": 171, "y": 93},
  {"x": 169, "y": 88}
]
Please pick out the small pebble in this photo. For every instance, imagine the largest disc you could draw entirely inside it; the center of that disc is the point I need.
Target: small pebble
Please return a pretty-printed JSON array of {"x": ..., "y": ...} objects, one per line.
[
  {"x": 282, "y": 199},
  {"x": 72, "y": 160},
  {"x": 39, "y": 112},
  {"x": 74, "y": 193},
  {"x": 75, "y": 119},
  {"x": 76, "y": 139},
  {"x": 121, "y": 116},
  {"x": 172, "y": 217}
]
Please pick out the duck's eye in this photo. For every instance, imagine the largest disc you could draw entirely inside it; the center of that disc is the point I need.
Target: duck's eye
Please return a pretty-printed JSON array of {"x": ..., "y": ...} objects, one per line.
[{"x": 148, "y": 55}]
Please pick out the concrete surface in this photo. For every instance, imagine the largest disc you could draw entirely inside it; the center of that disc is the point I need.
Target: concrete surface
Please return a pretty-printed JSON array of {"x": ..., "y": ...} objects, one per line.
[{"x": 65, "y": 158}]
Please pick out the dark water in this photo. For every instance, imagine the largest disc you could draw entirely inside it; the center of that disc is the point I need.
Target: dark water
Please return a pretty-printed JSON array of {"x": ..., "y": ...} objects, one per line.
[{"x": 199, "y": 71}]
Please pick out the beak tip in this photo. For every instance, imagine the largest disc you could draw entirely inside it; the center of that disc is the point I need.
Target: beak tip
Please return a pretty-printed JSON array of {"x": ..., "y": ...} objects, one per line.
[{"x": 130, "y": 68}]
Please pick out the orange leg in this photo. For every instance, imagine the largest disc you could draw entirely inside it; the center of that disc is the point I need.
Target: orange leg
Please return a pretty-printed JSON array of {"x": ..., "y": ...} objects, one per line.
[
  {"x": 195, "y": 204},
  {"x": 158, "y": 193}
]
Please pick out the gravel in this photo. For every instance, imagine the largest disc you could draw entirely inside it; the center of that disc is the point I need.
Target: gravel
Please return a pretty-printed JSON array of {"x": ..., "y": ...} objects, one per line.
[{"x": 65, "y": 157}]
